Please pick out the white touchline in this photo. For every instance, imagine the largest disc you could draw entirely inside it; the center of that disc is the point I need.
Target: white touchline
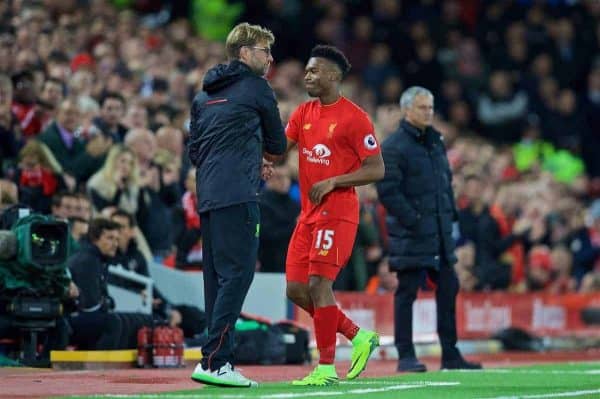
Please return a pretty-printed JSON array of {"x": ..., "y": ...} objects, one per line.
[
  {"x": 567, "y": 394},
  {"x": 429, "y": 383},
  {"x": 291, "y": 395},
  {"x": 513, "y": 371}
]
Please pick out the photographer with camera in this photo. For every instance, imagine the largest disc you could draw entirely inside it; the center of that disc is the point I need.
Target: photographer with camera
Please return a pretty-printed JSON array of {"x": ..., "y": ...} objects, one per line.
[{"x": 94, "y": 324}]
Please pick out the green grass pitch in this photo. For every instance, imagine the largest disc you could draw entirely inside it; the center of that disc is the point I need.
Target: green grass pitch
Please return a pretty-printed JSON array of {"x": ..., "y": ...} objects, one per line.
[{"x": 566, "y": 380}]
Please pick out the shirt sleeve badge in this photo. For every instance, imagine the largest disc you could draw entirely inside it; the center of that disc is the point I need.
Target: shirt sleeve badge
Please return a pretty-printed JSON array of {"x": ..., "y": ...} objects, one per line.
[{"x": 370, "y": 142}]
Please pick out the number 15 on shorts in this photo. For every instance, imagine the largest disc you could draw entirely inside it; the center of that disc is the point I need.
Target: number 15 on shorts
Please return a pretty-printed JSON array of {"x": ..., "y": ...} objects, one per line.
[{"x": 324, "y": 241}]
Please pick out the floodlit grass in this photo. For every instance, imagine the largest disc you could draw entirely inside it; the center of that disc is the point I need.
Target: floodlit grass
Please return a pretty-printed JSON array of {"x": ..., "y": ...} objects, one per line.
[{"x": 565, "y": 380}]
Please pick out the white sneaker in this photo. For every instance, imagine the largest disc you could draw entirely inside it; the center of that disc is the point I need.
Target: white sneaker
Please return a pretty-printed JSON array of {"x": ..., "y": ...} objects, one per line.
[{"x": 226, "y": 376}]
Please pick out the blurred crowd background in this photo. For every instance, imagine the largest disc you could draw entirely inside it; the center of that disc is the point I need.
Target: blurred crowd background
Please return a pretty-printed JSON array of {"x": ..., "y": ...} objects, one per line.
[{"x": 94, "y": 116}]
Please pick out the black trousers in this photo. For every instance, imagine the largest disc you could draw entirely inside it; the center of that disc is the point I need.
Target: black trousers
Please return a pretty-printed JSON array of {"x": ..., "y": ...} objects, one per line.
[
  {"x": 409, "y": 282},
  {"x": 130, "y": 324},
  {"x": 97, "y": 330},
  {"x": 229, "y": 251}
]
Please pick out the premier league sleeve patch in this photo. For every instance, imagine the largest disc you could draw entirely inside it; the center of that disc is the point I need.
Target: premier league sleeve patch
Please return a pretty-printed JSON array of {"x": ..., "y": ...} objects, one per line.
[{"x": 370, "y": 142}]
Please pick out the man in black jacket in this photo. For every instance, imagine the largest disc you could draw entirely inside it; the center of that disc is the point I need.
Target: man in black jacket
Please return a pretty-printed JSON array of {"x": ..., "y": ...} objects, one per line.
[
  {"x": 235, "y": 122},
  {"x": 94, "y": 325},
  {"x": 417, "y": 194}
]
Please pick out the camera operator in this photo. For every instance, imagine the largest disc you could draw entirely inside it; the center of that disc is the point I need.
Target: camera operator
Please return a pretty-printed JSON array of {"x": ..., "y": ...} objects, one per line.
[{"x": 94, "y": 325}]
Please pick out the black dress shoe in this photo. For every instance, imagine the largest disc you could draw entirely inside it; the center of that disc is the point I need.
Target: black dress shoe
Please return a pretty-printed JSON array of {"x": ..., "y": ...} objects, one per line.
[
  {"x": 460, "y": 364},
  {"x": 411, "y": 365}
]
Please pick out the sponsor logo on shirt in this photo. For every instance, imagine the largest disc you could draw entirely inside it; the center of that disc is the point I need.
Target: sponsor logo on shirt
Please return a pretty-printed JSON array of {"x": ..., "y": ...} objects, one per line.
[
  {"x": 307, "y": 126},
  {"x": 370, "y": 142},
  {"x": 318, "y": 154}
]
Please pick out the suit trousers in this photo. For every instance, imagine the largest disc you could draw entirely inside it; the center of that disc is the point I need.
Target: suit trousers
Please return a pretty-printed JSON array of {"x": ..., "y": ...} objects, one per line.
[{"x": 409, "y": 281}]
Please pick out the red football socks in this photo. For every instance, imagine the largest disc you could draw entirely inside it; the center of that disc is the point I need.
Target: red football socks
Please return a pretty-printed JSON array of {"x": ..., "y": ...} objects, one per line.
[
  {"x": 325, "y": 321},
  {"x": 345, "y": 325}
]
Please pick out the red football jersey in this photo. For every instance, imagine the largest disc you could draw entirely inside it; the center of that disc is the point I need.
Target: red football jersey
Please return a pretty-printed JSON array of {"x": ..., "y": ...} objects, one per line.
[{"x": 332, "y": 140}]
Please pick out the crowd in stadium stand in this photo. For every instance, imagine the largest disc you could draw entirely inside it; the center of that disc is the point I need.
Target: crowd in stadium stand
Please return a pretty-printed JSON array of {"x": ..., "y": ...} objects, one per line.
[{"x": 94, "y": 113}]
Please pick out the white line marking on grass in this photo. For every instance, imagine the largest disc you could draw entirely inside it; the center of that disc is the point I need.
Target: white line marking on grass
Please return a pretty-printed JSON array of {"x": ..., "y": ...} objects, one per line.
[
  {"x": 371, "y": 382},
  {"x": 398, "y": 387},
  {"x": 550, "y": 395},
  {"x": 289, "y": 395},
  {"x": 515, "y": 371},
  {"x": 428, "y": 383}
]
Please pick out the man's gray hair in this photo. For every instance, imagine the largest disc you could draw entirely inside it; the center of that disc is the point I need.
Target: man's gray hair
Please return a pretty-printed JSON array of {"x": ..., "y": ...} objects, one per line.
[{"x": 408, "y": 97}]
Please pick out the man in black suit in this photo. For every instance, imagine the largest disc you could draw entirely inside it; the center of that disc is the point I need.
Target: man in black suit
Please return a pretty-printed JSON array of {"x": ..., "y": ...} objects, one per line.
[{"x": 417, "y": 194}]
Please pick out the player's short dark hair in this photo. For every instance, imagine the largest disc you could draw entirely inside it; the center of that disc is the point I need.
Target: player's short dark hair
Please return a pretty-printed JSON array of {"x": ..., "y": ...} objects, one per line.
[{"x": 334, "y": 55}]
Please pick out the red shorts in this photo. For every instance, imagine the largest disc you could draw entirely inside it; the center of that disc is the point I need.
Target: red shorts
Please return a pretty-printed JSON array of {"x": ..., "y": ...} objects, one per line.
[{"x": 320, "y": 249}]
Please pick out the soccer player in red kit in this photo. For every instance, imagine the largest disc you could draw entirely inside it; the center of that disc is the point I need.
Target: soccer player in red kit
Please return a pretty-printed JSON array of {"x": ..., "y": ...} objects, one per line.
[{"x": 337, "y": 150}]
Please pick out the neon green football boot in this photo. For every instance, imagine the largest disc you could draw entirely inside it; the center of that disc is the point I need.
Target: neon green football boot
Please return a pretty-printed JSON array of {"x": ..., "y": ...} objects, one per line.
[
  {"x": 363, "y": 345},
  {"x": 322, "y": 375}
]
